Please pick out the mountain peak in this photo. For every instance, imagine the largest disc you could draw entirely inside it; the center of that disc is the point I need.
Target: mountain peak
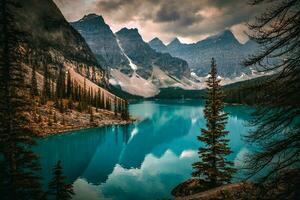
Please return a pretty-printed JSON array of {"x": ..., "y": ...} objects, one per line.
[
  {"x": 223, "y": 37},
  {"x": 130, "y": 33},
  {"x": 175, "y": 41},
  {"x": 157, "y": 45},
  {"x": 128, "y": 30},
  {"x": 156, "y": 40},
  {"x": 93, "y": 21},
  {"x": 226, "y": 34},
  {"x": 91, "y": 16}
]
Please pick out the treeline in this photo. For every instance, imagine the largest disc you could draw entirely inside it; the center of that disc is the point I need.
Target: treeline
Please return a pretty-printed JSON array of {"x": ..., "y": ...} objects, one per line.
[
  {"x": 248, "y": 92},
  {"x": 69, "y": 94}
]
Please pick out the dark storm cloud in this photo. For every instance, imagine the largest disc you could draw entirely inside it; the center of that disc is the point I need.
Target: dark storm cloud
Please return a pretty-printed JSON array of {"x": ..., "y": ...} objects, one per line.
[
  {"x": 171, "y": 11},
  {"x": 114, "y": 4},
  {"x": 167, "y": 15},
  {"x": 183, "y": 18}
]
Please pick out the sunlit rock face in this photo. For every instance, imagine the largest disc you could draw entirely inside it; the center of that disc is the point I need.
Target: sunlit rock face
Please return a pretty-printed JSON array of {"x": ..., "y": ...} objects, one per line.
[{"x": 224, "y": 47}]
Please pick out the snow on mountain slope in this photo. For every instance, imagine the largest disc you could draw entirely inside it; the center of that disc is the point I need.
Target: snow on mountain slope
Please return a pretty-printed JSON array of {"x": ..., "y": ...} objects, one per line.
[
  {"x": 134, "y": 85},
  {"x": 137, "y": 85},
  {"x": 131, "y": 64}
]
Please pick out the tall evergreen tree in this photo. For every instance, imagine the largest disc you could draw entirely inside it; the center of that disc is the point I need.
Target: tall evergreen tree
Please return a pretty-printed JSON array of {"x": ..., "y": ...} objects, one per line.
[
  {"x": 69, "y": 85},
  {"x": 124, "y": 110},
  {"x": 58, "y": 188},
  {"x": 46, "y": 93},
  {"x": 33, "y": 89},
  {"x": 91, "y": 114},
  {"x": 116, "y": 106},
  {"x": 19, "y": 165},
  {"x": 214, "y": 169},
  {"x": 60, "y": 84}
]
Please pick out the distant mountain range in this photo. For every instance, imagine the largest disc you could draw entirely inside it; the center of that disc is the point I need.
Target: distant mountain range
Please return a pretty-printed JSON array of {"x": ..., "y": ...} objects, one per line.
[
  {"x": 132, "y": 63},
  {"x": 89, "y": 49},
  {"x": 141, "y": 68},
  {"x": 224, "y": 47}
]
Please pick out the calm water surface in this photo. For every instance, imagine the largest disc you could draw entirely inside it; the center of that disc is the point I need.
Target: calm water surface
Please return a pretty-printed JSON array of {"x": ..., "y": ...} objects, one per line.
[{"x": 141, "y": 161}]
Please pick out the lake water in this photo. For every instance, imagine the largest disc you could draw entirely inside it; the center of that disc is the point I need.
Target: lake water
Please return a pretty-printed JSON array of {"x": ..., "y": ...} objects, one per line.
[{"x": 141, "y": 161}]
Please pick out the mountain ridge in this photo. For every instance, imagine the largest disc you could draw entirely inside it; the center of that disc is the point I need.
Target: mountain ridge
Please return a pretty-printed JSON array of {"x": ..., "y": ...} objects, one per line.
[
  {"x": 224, "y": 46},
  {"x": 138, "y": 62}
]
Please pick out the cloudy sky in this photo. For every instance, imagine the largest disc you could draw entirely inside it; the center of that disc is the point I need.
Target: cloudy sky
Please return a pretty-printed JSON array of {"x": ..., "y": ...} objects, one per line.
[{"x": 189, "y": 20}]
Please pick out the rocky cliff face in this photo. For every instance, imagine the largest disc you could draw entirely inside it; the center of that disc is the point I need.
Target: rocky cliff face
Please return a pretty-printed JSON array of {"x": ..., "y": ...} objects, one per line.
[
  {"x": 146, "y": 58},
  {"x": 117, "y": 49},
  {"x": 51, "y": 42},
  {"x": 224, "y": 47},
  {"x": 130, "y": 60},
  {"x": 102, "y": 42}
]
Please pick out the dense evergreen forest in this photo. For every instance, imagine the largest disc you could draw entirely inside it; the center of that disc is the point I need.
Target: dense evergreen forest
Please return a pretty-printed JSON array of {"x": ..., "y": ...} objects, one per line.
[
  {"x": 245, "y": 92},
  {"x": 69, "y": 94}
]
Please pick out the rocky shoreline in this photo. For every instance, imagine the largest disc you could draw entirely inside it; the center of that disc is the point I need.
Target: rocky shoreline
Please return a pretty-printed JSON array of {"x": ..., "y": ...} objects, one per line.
[
  {"x": 46, "y": 120},
  {"x": 284, "y": 186},
  {"x": 56, "y": 131}
]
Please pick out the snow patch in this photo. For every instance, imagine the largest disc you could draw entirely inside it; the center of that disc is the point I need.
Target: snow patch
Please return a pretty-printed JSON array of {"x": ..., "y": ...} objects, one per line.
[
  {"x": 131, "y": 64},
  {"x": 135, "y": 84}
]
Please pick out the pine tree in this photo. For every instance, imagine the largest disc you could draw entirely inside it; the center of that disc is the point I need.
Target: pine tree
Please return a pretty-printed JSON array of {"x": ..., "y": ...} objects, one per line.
[
  {"x": 214, "y": 169},
  {"x": 33, "y": 89},
  {"x": 91, "y": 115},
  {"x": 69, "y": 85},
  {"x": 119, "y": 106},
  {"x": 46, "y": 93},
  {"x": 54, "y": 118},
  {"x": 18, "y": 164},
  {"x": 126, "y": 110},
  {"x": 102, "y": 100},
  {"x": 58, "y": 188},
  {"x": 60, "y": 84},
  {"x": 115, "y": 106},
  {"x": 70, "y": 103}
]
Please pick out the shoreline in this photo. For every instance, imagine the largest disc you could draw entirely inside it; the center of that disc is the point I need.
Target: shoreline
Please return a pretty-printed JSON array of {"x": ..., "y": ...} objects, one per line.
[
  {"x": 50, "y": 132},
  {"x": 46, "y": 120}
]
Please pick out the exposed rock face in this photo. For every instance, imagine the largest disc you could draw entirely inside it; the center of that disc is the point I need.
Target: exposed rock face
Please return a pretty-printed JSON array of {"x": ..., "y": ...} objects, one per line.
[
  {"x": 285, "y": 185},
  {"x": 146, "y": 58},
  {"x": 224, "y": 47},
  {"x": 102, "y": 41},
  {"x": 158, "y": 45},
  {"x": 51, "y": 42},
  {"x": 130, "y": 60},
  {"x": 112, "y": 49},
  {"x": 237, "y": 191}
]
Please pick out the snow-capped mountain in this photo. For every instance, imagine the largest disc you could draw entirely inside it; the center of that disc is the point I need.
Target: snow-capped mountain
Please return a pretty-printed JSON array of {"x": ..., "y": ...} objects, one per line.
[
  {"x": 132, "y": 63},
  {"x": 224, "y": 47}
]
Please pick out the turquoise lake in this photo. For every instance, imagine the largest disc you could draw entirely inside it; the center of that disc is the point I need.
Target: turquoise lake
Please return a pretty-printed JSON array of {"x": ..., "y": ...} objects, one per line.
[{"x": 140, "y": 161}]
